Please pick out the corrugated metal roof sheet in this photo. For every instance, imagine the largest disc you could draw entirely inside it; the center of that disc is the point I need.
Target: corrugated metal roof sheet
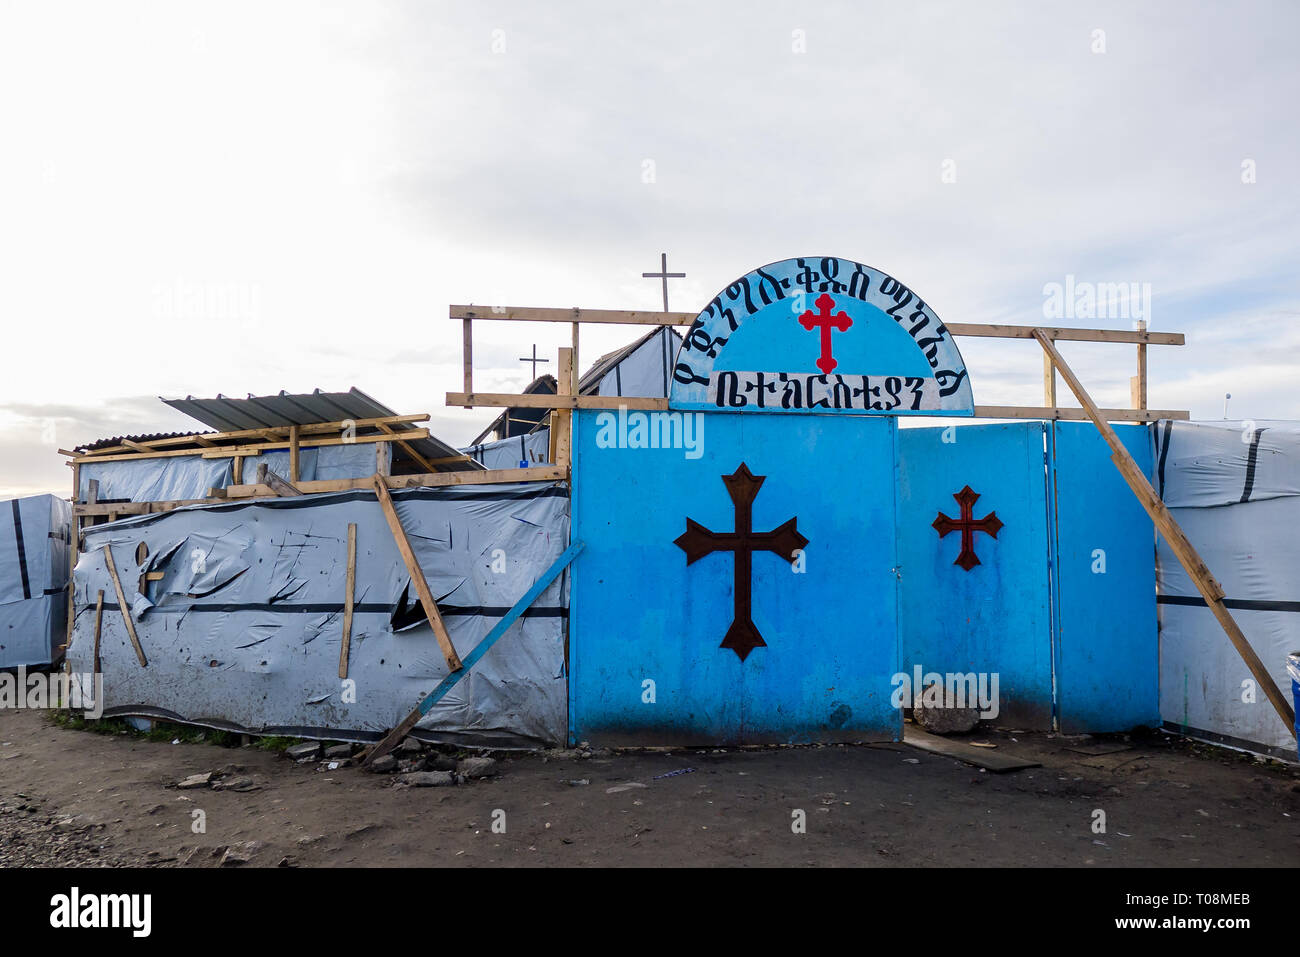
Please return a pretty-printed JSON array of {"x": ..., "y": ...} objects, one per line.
[
  {"x": 150, "y": 437},
  {"x": 226, "y": 414}
]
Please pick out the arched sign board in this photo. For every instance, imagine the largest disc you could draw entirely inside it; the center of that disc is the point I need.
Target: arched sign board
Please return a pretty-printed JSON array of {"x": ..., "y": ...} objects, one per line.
[{"x": 820, "y": 335}]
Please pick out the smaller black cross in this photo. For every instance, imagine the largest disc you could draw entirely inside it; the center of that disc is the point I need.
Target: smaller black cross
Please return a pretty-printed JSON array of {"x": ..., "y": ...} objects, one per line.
[
  {"x": 664, "y": 275},
  {"x": 534, "y": 360}
]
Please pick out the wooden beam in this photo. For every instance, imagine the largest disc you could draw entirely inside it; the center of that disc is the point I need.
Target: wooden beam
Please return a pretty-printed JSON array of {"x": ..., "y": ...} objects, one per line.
[
  {"x": 545, "y": 401},
  {"x": 564, "y": 440},
  {"x": 417, "y": 575},
  {"x": 467, "y": 353},
  {"x": 122, "y": 606},
  {"x": 348, "y": 600},
  {"x": 294, "y": 473},
  {"x": 1049, "y": 382},
  {"x": 547, "y": 473},
  {"x": 237, "y": 471},
  {"x": 1186, "y": 553},
  {"x": 631, "y": 317},
  {"x": 1076, "y": 415},
  {"x": 403, "y": 728},
  {"x": 211, "y": 439},
  {"x": 1138, "y": 385},
  {"x": 99, "y": 621},
  {"x": 420, "y": 460}
]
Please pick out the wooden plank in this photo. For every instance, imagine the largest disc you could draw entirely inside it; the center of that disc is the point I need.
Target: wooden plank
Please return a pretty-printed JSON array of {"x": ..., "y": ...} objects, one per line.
[
  {"x": 1049, "y": 382},
  {"x": 1182, "y": 548},
  {"x": 544, "y": 401},
  {"x": 294, "y": 472},
  {"x": 394, "y": 737},
  {"x": 1139, "y": 382},
  {"x": 348, "y": 600},
  {"x": 211, "y": 439},
  {"x": 632, "y": 317},
  {"x": 1076, "y": 415},
  {"x": 383, "y": 464},
  {"x": 467, "y": 353},
  {"x": 228, "y": 451},
  {"x": 535, "y": 314},
  {"x": 564, "y": 440},
  {"x": 99, "y": 621},
  {"x": 122, "y": 606},
  {"x": 420, "y": 460},
  {"x": 547, "y": 473},
  {"x": 237, "y": 471},
  {"x": 985, "y": 758},
  {"x": 416, "y": 573}
]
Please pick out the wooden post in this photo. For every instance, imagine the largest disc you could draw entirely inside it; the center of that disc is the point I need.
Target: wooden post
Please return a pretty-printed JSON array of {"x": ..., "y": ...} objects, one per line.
[
  {"x": 564, "y": 383},
  {"x": 237, "y": 471},
  {"x": 293, "y": 454},
  {"x": 122, "y": 606},
  {"x": 348, "y": 600},
  {"x": 1186, "y": 553},
  {"x": 99, "y": 620},
  {"x": 1138, "y": 384},
  {"x": 468, "y": 353},
  {"x": 577, "y": 366},
  {"x": 1049, "y": 382},
  {"x": 382, "y": 462},
  {"x": 554, "y": 430},
  {"x": 417, "y": 575}
]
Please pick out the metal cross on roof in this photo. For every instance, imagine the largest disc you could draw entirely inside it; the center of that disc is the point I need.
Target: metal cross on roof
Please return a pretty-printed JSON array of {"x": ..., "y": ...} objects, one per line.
[
  {"x": 664, "y": 275},
  {"x": 534, "y": 360}
]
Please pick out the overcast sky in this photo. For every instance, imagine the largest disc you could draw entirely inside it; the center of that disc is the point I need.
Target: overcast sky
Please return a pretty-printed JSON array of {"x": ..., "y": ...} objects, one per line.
[{"x": 247, "y": 197}]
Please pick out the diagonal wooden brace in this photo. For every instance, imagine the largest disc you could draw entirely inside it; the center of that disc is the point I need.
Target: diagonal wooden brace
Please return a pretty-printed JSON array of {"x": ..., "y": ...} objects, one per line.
[
  {"x": 1186, "y": 553},
  {"x": 417, "y": 575}
]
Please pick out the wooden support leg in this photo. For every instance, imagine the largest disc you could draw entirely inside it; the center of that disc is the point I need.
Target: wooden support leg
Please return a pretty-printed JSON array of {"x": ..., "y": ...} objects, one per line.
[
  {"x": 348, "y": 600},
  {"x": 1188, "y": 557},
  {"x": 417, "y": 575}
]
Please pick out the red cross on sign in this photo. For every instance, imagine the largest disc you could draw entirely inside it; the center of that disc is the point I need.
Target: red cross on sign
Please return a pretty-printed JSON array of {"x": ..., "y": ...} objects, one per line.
[
  {"x": 990, "y": 524},
  {"x": 826, "y": 322}
]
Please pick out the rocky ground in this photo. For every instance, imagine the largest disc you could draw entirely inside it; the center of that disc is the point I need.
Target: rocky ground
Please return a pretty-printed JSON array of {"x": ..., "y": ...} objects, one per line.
[{"x": 71, "y": 797}]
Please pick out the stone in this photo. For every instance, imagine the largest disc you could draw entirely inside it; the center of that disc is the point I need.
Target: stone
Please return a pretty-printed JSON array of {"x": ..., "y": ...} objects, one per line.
[
  {"x": 946, "y": 720},
  {"x": 440, "y": 762},
  {"x": 239, "y": 854},
  {"x": 385, "y": 765},
  {"x": 409, "y": 746},
  {"x": 196, "y": 781},
  {"x": 477, "y": 767},
  {"x": 234, "y": 784},
  {"x": 308, "y": 751},
  {"x": 338, "y": 751},
  {"x": 429, "y": 779}
]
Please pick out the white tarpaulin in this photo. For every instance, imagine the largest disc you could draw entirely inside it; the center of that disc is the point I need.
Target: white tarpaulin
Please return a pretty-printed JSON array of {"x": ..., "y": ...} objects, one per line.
[
  {"x": 1234, "y": 487},
  {"x": 34, "y": 543},
  {"x": 243, "y": 631}
]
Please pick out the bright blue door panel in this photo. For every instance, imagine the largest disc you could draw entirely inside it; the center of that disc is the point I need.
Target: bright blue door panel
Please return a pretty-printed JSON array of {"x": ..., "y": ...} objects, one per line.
[
  {"x": 1108, "y": 658},
  {"x": 642, "y": 615},
  {"x": 994, "y": 617}
]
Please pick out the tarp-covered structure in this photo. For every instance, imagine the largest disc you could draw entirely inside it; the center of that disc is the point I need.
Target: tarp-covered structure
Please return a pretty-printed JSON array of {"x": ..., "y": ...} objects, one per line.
[
  {"x": 35, "y": 535},
  {"x": 1234, "y": 487},
  {"x": 239, "y": 613}
]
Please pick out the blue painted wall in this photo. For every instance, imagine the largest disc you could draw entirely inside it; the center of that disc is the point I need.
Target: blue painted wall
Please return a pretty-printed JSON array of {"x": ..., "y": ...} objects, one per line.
[
  {"x": 997, "y": 616},
  {"x": 1108, "y": 655},
  {"x": 640, "y": 613}
]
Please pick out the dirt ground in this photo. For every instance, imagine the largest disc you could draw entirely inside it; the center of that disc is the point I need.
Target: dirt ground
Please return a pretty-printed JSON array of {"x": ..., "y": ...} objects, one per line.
[{"x": 77, "y": 798}]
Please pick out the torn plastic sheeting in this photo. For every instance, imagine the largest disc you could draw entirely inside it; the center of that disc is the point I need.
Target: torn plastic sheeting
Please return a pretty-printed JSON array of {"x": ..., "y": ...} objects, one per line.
[{"x": 261, "y": 651}]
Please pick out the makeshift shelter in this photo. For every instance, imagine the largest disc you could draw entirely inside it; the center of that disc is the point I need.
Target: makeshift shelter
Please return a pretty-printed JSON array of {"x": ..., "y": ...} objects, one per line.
[
  {"x": 757, "y": 554},
  {"x": 35, "y": 533}
]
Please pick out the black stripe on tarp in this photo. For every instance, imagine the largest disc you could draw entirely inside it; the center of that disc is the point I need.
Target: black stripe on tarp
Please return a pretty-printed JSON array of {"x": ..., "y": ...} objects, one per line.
[
  {"x": 22, "y": 551},
  {"x": 1252, "y": 457},
  {"x": 372, "y": 607},
  {"x": 618, "y": 379},
  {"x": 1245, "y": 604},
  {"x": 1164, "y": 454}
]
